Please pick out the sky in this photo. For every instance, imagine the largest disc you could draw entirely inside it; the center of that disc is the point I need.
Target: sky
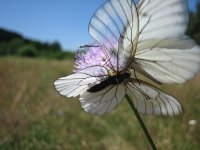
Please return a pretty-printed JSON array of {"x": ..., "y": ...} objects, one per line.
[{"x": 65, "y": 21}]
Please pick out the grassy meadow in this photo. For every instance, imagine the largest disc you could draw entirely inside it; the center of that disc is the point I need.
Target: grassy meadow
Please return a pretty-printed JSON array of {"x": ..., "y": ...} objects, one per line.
[{"x": 33, "y": 116}]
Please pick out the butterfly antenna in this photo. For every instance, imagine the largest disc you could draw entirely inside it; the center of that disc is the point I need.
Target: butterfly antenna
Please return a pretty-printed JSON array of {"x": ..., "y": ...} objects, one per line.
[{"x": 88, "y": 46}]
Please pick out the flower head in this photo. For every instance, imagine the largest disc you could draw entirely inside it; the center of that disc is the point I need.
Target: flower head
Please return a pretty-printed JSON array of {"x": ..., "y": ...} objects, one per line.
[
  {"x": 95, "y": 56},
  {"x": 88, "y": 57}
]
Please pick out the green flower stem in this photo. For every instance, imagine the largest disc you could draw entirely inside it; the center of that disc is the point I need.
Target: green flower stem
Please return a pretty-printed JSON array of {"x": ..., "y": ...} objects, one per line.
[{"x": 141, "y": 122}]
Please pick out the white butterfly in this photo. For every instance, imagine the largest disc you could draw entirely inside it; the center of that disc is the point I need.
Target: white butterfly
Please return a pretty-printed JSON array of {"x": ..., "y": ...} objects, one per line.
[{"x": 149, "y": 38}]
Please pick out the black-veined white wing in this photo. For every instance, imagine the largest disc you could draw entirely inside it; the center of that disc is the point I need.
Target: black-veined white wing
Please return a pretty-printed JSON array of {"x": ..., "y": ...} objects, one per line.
[
  {"x": 115, "y": 27},
  {"x": 162, "y": 19},
  {"x": 102, "y": 101},
  {"x": 150, "y": 100},
  {"x": 77, "y": 83},
  {"x": 170, "y": 61}
]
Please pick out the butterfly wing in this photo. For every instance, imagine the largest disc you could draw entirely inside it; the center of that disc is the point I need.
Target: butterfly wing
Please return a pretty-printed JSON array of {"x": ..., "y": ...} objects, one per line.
[
  {"x": 102, "y": 101},
  {"x": 77, "y": 83},
  {"x": 171, "y": 61},
  {"x": 160, "y": 19},
  {"x": 150, "y": 100},
  {"x": 164, "y": 54},
  {"x": 115, "y": 26}
]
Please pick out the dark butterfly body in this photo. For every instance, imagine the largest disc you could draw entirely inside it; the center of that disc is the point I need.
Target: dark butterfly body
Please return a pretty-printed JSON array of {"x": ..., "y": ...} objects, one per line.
[{"x": 112, "y": 80}]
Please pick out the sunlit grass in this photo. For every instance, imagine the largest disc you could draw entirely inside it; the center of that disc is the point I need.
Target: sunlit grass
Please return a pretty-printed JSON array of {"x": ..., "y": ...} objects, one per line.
[{"x": 34, "y": 116}]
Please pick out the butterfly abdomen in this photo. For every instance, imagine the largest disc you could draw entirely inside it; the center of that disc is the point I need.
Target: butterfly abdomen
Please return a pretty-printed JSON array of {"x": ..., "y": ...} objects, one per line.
[
  {"x": 99, "y": 87},
  {"x": 113, "y": 80}
]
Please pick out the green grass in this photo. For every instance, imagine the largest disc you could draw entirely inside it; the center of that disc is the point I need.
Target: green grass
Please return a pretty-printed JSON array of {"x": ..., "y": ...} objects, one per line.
[{"x": 33, "y": 116}]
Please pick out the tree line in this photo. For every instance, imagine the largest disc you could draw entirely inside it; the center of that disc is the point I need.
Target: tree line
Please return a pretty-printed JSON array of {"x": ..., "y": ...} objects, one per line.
[
  {"x": 194, "y": 23},
  {"x": 12, "y": 43}
]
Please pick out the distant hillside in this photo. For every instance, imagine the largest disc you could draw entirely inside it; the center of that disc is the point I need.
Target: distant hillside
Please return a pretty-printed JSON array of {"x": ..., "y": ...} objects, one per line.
[
  {"x": 7, "y": 36},
  {"x": 12, "y": 43}
]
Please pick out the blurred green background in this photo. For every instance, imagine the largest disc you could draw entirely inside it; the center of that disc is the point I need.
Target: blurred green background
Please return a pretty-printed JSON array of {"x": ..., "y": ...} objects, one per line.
[{"x": 33, "y": 116}]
